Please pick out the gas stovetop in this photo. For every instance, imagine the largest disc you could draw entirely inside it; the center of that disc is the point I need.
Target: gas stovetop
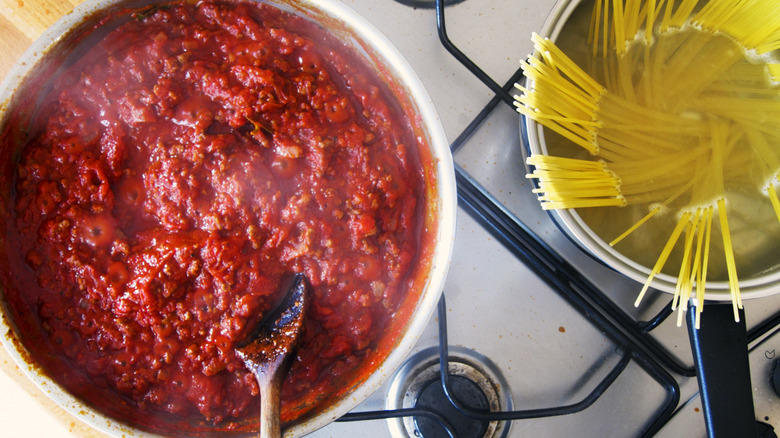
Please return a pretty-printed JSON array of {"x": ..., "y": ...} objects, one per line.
[
  {"x": 552, "y": 328},
  {"x": 529, "y": 323}
]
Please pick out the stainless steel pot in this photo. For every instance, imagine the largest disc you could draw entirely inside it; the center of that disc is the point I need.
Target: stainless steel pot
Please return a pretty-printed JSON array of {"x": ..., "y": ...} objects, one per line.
[
  {"x": 30, "y": 76},
  {"x": 765, "y": 283},
  {"x": 720, "y": 345}
]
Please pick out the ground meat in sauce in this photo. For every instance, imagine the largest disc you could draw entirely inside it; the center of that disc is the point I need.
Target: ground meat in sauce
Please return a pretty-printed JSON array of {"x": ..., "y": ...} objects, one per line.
[{"x": 191, "y": 160}]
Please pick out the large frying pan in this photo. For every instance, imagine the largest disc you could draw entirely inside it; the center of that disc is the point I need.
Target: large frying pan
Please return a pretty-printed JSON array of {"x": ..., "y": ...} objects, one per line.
[
  {"x": 31, "y": 75},
  {"x": 720, "y": 344}
]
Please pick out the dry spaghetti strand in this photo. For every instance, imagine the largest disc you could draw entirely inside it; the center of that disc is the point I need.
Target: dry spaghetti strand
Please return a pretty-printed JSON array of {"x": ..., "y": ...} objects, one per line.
[
  {"x": 701, "y": 282},
  {"x": 736, "y": 299},
  {"x": 682, "y": 289},
  {"x": 573, "y": 183},
  {"x": 659, "y": 264},
  {"x": 753, "y": 23},
  {"x": 654, "y": 211},
  {"x": 773, "y": 198}
]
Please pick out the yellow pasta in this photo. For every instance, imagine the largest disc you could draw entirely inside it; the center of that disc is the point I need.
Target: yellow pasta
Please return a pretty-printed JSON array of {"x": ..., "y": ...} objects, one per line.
[{"x": 677, "y": 104}]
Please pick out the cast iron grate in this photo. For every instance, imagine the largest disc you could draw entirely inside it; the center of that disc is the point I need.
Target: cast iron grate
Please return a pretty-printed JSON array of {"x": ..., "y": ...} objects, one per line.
[
  {"x": 639, "y": 330},
  {"x": 632, "y": 337}
]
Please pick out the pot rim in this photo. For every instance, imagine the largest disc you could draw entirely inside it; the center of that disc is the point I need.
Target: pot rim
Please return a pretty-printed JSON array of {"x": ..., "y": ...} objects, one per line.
[{"x": 366, "y": 36}]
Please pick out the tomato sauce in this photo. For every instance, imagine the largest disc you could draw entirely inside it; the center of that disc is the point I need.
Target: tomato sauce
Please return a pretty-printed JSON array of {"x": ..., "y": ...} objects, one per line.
[{"x": 189, "y": 162}]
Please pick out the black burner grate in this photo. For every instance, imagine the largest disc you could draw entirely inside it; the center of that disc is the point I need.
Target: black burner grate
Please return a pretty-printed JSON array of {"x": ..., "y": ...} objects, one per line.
[{"x": 633, "y": 337}]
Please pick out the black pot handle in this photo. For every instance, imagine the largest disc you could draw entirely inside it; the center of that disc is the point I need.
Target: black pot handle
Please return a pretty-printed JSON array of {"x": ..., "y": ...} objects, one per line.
[{"x": 721, "y": 356}]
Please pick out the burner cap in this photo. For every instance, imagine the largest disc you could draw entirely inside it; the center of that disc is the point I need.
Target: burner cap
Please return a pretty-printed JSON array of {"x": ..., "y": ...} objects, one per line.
[
  {"x": 468, "y": 393},
  {"x": 474, "y": 381},
  {"x": 427, "y": 4}
]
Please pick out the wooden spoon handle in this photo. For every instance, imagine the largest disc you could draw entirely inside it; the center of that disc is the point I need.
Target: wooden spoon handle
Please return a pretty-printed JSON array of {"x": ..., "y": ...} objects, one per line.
[{"x": 270, "y": 405}]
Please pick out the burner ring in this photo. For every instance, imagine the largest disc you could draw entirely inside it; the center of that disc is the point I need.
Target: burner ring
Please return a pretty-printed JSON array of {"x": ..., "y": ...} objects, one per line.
[
  {"x": 421, "y": 371},
  {"x": 427, "y": 4}
]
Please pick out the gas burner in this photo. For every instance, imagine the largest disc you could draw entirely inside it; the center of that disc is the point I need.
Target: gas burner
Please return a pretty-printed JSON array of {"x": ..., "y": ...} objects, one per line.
[
  {"x": 474, "y": 381},
  {"x": 427, "y": 4}
]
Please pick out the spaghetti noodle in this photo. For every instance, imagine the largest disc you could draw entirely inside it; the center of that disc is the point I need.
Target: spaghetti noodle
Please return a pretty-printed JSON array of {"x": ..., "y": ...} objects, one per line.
[{"x": 676, "y": 108}]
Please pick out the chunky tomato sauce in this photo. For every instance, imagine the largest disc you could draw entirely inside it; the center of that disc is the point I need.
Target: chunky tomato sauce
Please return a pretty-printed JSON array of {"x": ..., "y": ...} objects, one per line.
[{"x": 186, "y": 164}]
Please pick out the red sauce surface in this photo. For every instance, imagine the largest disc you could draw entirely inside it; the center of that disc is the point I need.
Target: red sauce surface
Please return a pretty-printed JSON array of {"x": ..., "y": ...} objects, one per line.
[{"x": 187, "y": 163}]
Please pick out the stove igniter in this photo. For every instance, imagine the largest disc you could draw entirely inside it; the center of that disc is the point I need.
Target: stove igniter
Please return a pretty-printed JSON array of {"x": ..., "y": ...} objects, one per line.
[{"x": 474, "y": 380}]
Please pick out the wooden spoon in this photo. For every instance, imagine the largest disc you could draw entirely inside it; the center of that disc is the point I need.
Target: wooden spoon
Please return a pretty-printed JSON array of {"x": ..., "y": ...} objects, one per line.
[{"x": 268, "y": 351}]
